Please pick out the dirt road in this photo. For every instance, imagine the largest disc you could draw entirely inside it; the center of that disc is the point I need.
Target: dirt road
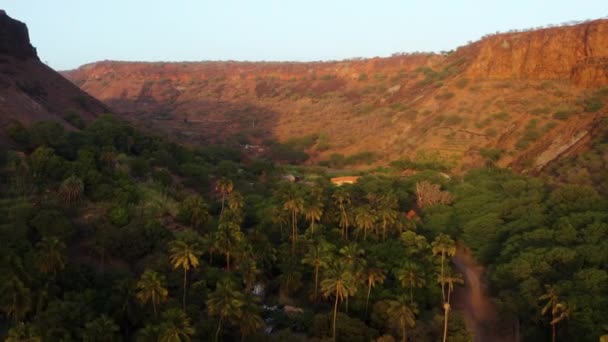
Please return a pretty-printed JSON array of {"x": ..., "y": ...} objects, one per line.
[{"x": 475, "y": 304}]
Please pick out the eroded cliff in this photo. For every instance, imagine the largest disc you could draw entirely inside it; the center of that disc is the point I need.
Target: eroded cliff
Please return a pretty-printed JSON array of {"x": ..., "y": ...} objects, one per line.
[{"x": 508, "y": 93}]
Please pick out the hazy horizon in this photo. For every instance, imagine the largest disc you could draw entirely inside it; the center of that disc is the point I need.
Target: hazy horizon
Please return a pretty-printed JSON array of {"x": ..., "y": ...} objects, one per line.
[{"x": 69, "y": 34}]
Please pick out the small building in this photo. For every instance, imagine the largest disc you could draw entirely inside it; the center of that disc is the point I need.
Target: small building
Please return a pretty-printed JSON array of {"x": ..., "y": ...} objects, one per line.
[
  {"x": 410, "y": 214},
  {"x": 344, "y": 180}
]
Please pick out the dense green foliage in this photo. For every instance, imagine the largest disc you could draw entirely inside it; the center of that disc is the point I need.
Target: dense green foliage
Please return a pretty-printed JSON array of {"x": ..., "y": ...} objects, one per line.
[{"x": 110, "y": 234}]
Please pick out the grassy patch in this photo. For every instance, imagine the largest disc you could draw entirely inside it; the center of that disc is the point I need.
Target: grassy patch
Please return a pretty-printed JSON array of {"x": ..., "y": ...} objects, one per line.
[
  {"x": 444, "y": 96},
  {"x": 564, "y": 113},
  {"x": 503, "y": 116},
  {"x": 540, "y": 111},
  {"x": 594, "y": 102},
  {"x": 530, "y": 134}
]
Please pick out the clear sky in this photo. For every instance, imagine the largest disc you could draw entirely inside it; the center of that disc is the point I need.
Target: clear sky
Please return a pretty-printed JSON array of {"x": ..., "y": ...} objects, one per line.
[{"x": 68, "y": 33}]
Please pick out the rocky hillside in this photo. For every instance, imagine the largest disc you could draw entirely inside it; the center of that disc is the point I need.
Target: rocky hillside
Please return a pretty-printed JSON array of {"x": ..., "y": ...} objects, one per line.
[
  {"x": 519, "y": 99},
  {"x": 30, "y": 90}
]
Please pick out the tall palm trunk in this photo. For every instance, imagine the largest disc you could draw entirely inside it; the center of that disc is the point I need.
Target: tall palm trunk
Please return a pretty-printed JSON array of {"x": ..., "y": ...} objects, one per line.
[
  {"x": 217, "y": 332},
  {"x": 383, "y": 230},
  {"x": 335, "y": 314},
  {"x": 154, "y": 305},
  {"x": 411, "y": 294},
  {"x": 446, "y": 312},
  {"x": 553, "y": 329},
  {"x": 223, "y": 200},
  {"x": 293, "y": 232},
  {"x": 316, "y": 281},
  {"x": 403, "y": 332},
  {"x": 228, "y": 261},
  {"x": 449, "y": 295},
  {"x": 185, "y": 280},
  {"x": 442, "y": 278},
  {"x": 346, "y": 308},
  {"x": 369, "y": 290}
]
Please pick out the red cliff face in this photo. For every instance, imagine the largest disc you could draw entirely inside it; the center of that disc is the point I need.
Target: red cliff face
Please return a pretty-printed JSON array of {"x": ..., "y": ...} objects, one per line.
[
  {"x": 578, "y": 53},
  {"x": 513, "y": 92}
]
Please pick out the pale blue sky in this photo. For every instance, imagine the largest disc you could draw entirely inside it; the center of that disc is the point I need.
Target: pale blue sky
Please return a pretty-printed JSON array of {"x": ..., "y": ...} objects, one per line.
[{"x": 69, "y": 33}]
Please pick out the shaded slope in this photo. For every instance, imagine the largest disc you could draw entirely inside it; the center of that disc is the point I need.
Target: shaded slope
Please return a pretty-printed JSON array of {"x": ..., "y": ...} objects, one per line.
[{"x": 30, "y": 90}]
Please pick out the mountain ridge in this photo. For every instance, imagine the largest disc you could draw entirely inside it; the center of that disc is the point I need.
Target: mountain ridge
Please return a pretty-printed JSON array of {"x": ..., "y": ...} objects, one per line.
[{"x": 518, "y": 93}]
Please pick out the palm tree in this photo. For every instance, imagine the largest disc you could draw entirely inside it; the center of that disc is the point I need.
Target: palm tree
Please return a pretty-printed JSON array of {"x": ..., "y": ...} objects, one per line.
[
  {"x": 197, "y": 209},
  {"x": 151, "y": 288},
  {"x": 415, "y": 245},
  {"x": 404, "y": 313},
  {"x": 365, "y": 219},
  {"x": 387, "y": 212},
  {"x": 313, "y": 211},
  {"x": 23, "y": 333},
  {"x": 249, "y": 270},
  {"x": 559, "y": 310},
  {"x": 224, "y": 186},
  {"x": 279, "y": 217},
  {"x": 290, "y": 279},
  {"x": 250, "y": 320},
  {"x": 450, "y": 278},
  {"x": 410, "y": 276},
  {"x": 101, "y": 329},
  {"x": 123, "y": 292},
  {"x": 50, "y": 255},
  {"x": 225, "y": 303},
  {"x": 15, "y": 298},
  {"x": 176, "y": 326},
  {"x": 294, "y": 204},
  {"x": 228, "y": 239},
  {"x": 338, "y": 281},
  {"x": 318, "y": 256},
  {"x": 342, "y": 200},
  {"x": 185, "y": 254},
  {"x": 373, "y": 275},
  {"x": 444, "y": 246},
  {"x": 236, "y": 201},
  {"x": 149, "y": 333},
  {"x": 71, "y": 189},
  {"x": 352, "y": 256}
]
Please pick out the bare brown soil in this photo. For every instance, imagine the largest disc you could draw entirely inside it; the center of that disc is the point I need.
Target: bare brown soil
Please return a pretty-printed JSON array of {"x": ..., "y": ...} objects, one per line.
[{"x": 477, "y": 307}]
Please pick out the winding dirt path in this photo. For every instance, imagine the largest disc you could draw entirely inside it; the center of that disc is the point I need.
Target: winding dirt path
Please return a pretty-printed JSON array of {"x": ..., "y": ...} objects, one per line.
[{"x": 478, "y": 309}]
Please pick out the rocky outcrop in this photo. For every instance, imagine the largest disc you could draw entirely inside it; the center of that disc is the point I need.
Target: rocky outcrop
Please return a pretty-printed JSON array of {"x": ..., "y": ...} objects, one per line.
[
  {"x": 591, "y": 72},
  {"x": 578, "y": 53},
  {"x": 14, "y": 38},
  {"x": 31, "y": 91}
]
